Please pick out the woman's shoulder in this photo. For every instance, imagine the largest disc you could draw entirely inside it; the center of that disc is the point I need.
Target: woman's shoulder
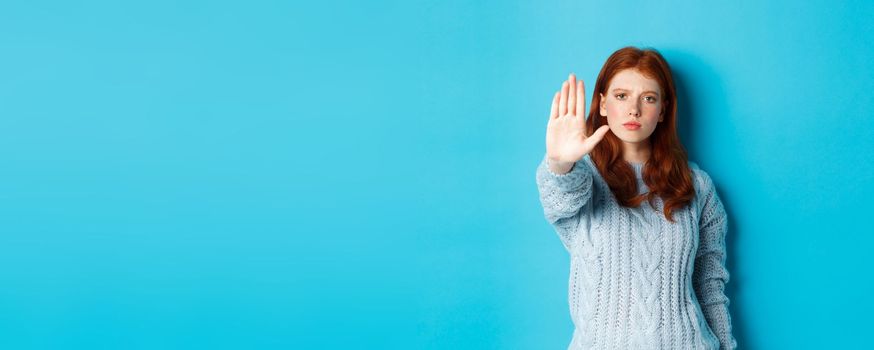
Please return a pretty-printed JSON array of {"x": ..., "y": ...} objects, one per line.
[{"x": 701, "y": 178}]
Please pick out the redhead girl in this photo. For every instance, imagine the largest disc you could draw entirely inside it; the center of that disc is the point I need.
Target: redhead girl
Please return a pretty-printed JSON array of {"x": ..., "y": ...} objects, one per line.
[{"x": 644, "y": 226}]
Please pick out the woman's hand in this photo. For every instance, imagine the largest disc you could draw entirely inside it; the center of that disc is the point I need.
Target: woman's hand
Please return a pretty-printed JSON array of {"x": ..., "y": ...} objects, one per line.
[{"x": 566, "y": 140}]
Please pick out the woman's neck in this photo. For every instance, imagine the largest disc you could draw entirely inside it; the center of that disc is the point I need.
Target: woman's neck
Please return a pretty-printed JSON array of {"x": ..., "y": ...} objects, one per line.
[{"x": 636, "y": 152}]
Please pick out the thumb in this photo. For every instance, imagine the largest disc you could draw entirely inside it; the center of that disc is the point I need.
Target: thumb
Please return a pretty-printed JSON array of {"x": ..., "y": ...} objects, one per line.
[{"x": 598, "y": 135}]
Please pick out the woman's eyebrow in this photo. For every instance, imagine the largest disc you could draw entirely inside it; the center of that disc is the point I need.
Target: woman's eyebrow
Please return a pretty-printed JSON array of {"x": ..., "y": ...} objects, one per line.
[{"x": 621, "y": 89}]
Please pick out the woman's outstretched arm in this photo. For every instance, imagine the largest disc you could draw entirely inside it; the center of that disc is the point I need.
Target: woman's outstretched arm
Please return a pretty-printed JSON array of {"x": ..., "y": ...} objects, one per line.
[
  {"x": 563, "y": 196},
  {"x": 711, "y": 274},
  {"x": 564, "y": 183}
]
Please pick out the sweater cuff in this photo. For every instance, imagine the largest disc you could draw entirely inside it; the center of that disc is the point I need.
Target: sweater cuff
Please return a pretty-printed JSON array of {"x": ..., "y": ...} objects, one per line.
[
  {"x": 573, "y": 179},
  {"x": 720, "y": 323}
]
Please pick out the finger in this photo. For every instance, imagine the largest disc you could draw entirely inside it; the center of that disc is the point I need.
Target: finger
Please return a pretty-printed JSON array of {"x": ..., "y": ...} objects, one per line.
[
  {"x": 598, "y": 135},
  {"x": 572, "y": 94},
  {"x": 581, "y": 98},
  {"x": 553, "y": 113},
  {"x": 562, "y": 103}
]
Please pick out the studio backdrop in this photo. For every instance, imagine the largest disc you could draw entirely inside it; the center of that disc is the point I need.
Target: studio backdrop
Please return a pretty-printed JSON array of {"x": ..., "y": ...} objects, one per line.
[{"x": 361, "y": 175}]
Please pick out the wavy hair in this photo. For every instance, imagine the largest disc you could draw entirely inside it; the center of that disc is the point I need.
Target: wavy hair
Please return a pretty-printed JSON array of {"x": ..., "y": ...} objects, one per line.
[{"x": 666, "y": 173}]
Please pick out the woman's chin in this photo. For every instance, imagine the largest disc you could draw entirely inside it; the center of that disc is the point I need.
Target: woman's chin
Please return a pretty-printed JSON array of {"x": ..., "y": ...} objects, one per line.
[{"x": 632, "y": 138}]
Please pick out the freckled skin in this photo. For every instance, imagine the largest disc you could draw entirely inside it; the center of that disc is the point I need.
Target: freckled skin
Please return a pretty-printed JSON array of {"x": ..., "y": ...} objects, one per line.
[{"x": 639, "y": 99}]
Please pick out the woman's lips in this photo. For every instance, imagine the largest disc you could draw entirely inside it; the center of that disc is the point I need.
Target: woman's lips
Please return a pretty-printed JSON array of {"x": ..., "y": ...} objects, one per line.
[{"x": 631, "y": 126}]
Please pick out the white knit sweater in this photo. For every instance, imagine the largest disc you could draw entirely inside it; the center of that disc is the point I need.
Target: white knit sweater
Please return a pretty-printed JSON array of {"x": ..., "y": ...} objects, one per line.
[{"x": 638, "y": 281}]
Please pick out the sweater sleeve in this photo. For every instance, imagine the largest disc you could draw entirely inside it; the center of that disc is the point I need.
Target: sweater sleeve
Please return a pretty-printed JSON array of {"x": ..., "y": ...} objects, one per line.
[
  {"x": 563, "y": 197},
  {"x": 711, "y": 274}
]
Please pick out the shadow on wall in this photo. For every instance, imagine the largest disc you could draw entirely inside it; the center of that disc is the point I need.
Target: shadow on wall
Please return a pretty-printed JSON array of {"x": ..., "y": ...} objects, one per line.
[{"x": 701, "y": 104}]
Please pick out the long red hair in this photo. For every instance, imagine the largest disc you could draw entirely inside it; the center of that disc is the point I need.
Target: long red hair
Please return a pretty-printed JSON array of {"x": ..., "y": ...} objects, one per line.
[{"x": 667, "y": 172}]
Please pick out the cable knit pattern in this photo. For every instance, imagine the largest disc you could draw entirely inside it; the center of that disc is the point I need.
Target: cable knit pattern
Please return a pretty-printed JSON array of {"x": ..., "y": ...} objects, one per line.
[{"x": 636, "y": 278}]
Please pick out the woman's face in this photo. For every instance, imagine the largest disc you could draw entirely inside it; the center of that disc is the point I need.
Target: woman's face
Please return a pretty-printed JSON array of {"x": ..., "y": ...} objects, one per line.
[{"x": 632, "y": 98}]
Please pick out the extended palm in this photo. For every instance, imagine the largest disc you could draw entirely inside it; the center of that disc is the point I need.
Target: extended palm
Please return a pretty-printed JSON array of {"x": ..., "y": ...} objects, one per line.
[{"x": 566, "y": 140}]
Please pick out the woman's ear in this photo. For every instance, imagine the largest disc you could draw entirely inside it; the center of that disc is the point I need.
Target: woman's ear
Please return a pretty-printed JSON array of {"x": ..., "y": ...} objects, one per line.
[
  {"x": 602, "y": 105},
  {"x": 662, "y": 114}
]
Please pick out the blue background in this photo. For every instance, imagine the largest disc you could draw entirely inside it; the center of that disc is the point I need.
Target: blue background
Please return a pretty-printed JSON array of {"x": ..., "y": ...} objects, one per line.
[{"x": 360, "y": 175}]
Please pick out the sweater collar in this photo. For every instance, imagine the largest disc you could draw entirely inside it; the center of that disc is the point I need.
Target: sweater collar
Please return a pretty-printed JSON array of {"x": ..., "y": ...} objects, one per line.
[{"x": 638, "y": 173}]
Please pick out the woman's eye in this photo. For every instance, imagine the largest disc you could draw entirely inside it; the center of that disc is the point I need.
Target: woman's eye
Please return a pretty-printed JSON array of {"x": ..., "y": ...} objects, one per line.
[
  {"x": 620, "y": 96},
  {"x": 650, "y": 99}
]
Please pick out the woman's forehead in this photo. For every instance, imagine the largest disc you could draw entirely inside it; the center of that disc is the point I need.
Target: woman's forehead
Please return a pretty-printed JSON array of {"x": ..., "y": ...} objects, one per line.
[{"x": 633, "y": 80}]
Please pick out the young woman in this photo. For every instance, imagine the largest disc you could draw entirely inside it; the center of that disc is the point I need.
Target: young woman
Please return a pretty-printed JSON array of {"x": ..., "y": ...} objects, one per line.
[{"x": 644, "y": 226}]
